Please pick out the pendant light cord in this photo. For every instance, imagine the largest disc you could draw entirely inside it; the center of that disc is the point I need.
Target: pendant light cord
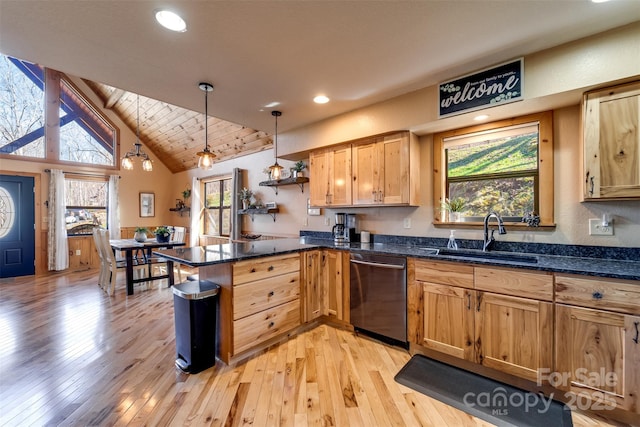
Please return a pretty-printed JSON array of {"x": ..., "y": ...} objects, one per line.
[{"x": 206, "y": 114}]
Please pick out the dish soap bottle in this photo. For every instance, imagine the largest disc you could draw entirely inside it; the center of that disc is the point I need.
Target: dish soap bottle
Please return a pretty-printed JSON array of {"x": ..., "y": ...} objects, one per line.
[{"x": 452, "y": 244}]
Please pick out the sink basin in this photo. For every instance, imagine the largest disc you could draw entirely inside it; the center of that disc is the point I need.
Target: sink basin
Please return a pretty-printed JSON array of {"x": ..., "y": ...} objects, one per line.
[{"x": 498, "y": 256}]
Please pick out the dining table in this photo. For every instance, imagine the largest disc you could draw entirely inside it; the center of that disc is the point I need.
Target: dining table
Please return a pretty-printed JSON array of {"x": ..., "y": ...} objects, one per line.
[{"x": 139, "y": 253}]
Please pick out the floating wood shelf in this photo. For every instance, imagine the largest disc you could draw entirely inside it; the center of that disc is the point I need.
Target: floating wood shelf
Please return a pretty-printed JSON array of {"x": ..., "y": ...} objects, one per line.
[
  {"x": 259, "y": 211},
  {"x": 275, "y": 183},
  {"x": 186, "y": 209}
]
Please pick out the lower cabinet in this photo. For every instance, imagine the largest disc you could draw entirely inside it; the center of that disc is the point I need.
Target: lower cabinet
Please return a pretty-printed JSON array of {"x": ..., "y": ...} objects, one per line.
[
  {"x": 312, "y": 288},
  {"x": 326, "y": 285},
  {"x": 597, "y": 342},
  {"x": 504, "y": 332}
]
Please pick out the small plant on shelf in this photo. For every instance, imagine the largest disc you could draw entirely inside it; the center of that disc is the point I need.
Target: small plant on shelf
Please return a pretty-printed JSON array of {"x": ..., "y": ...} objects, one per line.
[
  {"x": 245, "y": 196},
  {"x": 297, "y": 168}
]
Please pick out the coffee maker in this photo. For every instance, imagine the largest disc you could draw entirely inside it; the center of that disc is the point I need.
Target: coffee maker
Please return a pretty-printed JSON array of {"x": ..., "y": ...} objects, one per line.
[
  {"x": 338, "y": 230},
  {"x": 350, "y": 228}
]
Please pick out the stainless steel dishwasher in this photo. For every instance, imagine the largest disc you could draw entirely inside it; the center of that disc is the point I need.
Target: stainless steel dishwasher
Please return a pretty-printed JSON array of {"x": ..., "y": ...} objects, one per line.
[{"x": 379, "y": 296}]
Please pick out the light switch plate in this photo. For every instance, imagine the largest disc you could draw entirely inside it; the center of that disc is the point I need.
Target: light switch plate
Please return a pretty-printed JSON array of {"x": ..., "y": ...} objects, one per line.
[
  {"x": 407, "y": 223},
  {"x": 597, "y": 229}
]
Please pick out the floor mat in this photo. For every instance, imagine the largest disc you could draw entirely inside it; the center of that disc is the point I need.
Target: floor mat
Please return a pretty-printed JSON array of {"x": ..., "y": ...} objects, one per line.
[{"x": 484, "y": 398}]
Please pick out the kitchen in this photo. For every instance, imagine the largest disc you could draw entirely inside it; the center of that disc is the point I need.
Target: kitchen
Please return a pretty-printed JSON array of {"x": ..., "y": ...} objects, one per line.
[{"x": 571, "y": 219}]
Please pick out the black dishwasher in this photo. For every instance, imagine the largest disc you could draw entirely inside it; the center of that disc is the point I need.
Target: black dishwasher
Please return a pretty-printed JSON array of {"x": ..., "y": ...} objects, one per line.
[{"x": 379, "y": 296}]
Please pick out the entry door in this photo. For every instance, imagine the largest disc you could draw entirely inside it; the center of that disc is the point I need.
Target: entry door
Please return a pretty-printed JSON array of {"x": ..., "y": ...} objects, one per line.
[{"x": 17, "y": 226}]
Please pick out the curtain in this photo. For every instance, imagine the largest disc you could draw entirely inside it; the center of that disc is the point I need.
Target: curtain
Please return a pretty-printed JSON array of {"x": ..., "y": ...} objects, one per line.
[
  {"x": 236, "y": 220},
  {"x": 57, "y": 245},
  {"x": 113, "y": 207},
  {"x": 196, "y": 212}
]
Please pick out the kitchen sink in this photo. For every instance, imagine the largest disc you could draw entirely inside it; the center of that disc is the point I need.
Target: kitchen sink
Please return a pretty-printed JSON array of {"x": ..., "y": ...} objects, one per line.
[{"x": 497, "y": 256}]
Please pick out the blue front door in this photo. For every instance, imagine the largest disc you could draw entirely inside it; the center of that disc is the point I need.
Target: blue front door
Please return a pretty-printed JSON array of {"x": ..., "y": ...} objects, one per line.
[{"x": 17, "y": 226}]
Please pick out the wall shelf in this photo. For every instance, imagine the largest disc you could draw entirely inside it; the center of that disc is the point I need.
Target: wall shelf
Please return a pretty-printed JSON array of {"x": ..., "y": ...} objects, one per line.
[
  {"x": 259, "y": 211},
  {"x": 181, "y": 211},
  {"x": 275, "y": 183}
]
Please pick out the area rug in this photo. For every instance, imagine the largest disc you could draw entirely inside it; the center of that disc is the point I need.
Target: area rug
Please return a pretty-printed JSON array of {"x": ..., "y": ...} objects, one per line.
[{"x": 484, "y": 398}]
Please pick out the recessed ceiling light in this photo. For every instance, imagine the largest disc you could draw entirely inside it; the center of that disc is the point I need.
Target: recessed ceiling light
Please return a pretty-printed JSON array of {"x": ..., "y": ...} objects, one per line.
[
  {"x": 272, "y": 104},
  {"x": 320, "y": 99},
  {"x": 171, "y": 21},
  {"x": 599, "y": 1},
  {"x": 481, "y": 117}
]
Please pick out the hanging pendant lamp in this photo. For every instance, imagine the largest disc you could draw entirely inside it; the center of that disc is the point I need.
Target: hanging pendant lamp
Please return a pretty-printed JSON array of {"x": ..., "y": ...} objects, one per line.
[
  {"x": 127, "y": 160},
  {"x": 205, "y": 157},
  {"x": 275, "y": 170}
]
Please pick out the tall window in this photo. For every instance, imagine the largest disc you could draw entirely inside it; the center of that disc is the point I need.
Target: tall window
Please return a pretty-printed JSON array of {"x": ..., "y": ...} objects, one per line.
[
  {"x": 86, "y": 205},
  {"x": 217, "y": 203},
  {"x": 506, "y": 167},
  {"x": 85, "y": 136}
]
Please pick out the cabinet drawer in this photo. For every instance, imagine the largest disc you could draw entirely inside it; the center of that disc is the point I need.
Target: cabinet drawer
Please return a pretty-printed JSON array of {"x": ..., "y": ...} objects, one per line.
[
  {"x": 256, "y": 296},
  {"x": 252, "y": 330},
  {"x": 515, "y": 282},
  {"x": 261, "y": 268},
  {"x": 444, "y": 273},
  {"x": 609, "y": 294}
]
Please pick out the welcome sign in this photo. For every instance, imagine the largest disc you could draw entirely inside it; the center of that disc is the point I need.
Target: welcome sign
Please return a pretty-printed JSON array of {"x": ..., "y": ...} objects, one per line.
[{"x": 494, "y": 86}]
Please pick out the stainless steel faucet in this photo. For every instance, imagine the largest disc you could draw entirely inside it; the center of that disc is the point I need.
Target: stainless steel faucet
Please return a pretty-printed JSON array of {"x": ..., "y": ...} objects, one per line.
[{"x": 488, "y": 240}]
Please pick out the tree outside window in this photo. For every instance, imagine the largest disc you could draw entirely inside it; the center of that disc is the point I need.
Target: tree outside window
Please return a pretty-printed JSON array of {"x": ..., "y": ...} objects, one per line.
[
  {"x": 86, "y": 205},
  {"x": 217, "y": 219}
]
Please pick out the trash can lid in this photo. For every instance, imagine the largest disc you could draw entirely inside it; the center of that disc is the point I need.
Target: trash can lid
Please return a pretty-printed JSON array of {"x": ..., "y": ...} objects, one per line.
[{"x": 196, "y": 290}]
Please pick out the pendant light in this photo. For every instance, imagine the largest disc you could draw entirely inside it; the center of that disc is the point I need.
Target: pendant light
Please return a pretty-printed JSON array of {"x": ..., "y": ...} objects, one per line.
[
  {"x": 276, "y": 170},
  {"x": 127, "y": 160},
  {"x": 205, "y": 160}
]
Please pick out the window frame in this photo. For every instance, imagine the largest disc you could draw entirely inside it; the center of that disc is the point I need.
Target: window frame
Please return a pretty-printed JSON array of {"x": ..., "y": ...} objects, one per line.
[
  {"x": 86, "y": 178},
  {"x": 221, "y": 208},
  {"x": 52, "y": 83},
  {"x": 545, "y": 187}
]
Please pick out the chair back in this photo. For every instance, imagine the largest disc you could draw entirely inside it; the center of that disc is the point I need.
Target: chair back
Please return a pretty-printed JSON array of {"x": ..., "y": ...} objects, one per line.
[
  {"x": 107, "y": 252},
  {"x": 179, "y": 234},
  {"x": 98, "y": 243}
]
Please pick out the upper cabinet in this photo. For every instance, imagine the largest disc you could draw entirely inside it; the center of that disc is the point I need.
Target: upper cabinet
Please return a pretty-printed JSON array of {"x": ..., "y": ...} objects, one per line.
[
  {"x": 611, "y": 121},
  {"x": 330, "y": 177},
  {"x": 385, "y": 172}
]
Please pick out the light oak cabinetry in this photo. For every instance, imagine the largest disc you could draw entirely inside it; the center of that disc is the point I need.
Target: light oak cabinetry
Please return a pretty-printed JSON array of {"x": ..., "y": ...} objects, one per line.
[
  {"x": 611, "y": 138},
  {"x": 259, "y": 300},
  {"x": 326, "y": 286},
  {"x": 382, "y": 170},
  {"x": 330, "y": 177},
  {"x": 467, "y": 312},
  {"x": 597, "y": 340},
  {"x": 377, "y": 171}
]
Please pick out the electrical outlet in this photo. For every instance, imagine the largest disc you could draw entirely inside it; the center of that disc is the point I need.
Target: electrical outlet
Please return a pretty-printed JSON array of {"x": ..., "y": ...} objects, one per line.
[
  {"x": 78, "y": 252},
  {"x": 327, "y": 221},
  {"x": 407, "y": 223},
  {"x": 597, "y": 229},
  {"x": 306, "y": 221}
]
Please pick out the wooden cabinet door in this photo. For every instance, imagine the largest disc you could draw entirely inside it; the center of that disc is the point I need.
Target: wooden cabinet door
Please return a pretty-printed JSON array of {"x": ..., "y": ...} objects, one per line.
[
  {"x": 611, "y": 120},
  {"x": 367, "y": 186},
  {"x": 340, "y": 177},
  {"x": 319, "y": 180},
  {"x": 599, "y": 353},
  {"x": 394, "y": 171},
  {"x": 448, "y": 320},
  {"x": 514, "y": 335},
  {"x": 332, "y": 280},
  {"x": 312, "y": 285}
]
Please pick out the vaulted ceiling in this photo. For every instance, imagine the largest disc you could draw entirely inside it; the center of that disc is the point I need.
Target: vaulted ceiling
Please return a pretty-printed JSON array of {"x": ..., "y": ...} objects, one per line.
[{"x": 286, "y": 52}]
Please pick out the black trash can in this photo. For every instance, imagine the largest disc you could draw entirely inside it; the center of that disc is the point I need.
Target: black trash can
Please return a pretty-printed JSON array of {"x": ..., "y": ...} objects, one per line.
[{"x": 195, "y": 311}]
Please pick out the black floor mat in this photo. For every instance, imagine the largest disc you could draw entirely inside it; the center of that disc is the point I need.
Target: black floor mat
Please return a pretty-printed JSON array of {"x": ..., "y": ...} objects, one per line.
[{"x": 492, "y": 401}]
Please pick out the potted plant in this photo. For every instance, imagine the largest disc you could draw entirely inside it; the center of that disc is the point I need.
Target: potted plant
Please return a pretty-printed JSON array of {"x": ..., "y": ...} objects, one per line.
[
  {"x": 455, "y": 207},
  {"x": 245, "y": 196},
  {"x": 297, "y": 169},
  {"x": 163, "y": 234},
  {"x": 141, "y": 234}
]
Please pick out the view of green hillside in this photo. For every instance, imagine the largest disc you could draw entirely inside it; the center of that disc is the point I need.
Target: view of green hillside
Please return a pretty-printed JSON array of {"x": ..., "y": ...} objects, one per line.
[{"x": 473, "y": 172}]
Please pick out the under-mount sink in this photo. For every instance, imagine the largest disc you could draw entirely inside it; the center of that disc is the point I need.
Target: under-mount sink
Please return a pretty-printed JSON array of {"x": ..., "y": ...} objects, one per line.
[{"x": 498, "y": 256}]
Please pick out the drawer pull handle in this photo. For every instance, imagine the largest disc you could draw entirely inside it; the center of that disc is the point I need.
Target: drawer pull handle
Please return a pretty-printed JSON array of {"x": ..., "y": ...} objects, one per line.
[
  {"x": 271, "y": 294},
  {"x": 271, "y": 267},
  {"x": 597, "y": 295},
  {"x": 635, "y": 340},
  {"x": 271, "y": 324}
]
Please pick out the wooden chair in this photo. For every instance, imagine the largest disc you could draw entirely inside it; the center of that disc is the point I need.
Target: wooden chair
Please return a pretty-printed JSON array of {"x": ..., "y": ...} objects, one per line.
[
  {"x": 110, "y": 265},
  {"x": 102, "y": 277}
]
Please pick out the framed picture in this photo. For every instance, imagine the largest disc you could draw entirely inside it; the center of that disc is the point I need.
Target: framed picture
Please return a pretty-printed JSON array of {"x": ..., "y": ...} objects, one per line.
[{"x": 147, "y": 204}]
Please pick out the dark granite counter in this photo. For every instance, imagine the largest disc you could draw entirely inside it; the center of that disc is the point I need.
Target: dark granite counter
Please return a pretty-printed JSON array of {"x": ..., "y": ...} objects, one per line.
[{"x": 214, "y": 254}]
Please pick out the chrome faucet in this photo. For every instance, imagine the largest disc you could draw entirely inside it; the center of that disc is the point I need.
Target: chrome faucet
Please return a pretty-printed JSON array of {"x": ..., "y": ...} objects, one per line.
[{"x": 488, "y": 240}]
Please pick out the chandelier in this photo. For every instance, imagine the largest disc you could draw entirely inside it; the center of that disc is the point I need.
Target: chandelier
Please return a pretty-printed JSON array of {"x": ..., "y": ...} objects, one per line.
[
  {"x": 205, "y": 157},
  {"x": 136, "y": 151}
]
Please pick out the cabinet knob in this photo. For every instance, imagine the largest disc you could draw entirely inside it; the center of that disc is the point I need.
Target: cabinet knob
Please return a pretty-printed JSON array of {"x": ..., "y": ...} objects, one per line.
[
  {"x": 253, "y": 270},
  {"x": 271, "y": 267},
  {"x": 597, "y": 295},
  {"x": 270, "y": 294},
  {"x": 271, "y": 324}
]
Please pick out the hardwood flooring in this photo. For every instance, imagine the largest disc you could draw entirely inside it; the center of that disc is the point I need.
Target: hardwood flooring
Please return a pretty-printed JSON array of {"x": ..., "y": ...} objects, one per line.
[{"x": 72, "y": 356}]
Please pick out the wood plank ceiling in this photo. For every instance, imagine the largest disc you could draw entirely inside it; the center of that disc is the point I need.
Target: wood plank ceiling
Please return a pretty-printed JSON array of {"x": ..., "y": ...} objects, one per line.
[{"x": 175, "y": 134}]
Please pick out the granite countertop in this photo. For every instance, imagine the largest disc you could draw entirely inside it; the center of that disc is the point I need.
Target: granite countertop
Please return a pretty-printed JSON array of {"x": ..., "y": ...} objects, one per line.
[{"x": 231, "y": 252}]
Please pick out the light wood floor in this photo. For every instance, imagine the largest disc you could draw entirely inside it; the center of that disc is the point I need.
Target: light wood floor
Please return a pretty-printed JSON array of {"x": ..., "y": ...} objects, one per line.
[{"x": 70, "y": 355}]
